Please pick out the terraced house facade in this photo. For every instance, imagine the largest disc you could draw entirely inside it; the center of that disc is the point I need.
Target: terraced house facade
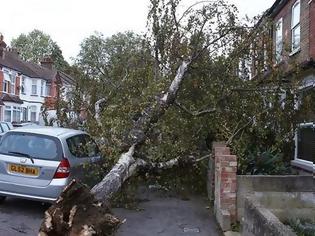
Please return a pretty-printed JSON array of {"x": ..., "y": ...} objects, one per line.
[
  {"x": 292, "y": 49},
  {"x": 25, "y": 86}
]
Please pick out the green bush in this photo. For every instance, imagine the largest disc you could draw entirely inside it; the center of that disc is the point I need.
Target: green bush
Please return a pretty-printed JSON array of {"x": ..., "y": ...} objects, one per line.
[{"x": 257, "y": 161}]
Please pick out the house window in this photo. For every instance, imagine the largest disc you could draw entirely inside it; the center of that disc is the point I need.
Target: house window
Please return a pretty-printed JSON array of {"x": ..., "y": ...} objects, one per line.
[
  {"x": 42, "y": 86},
  {"x": 33, "y": 113},
  {"x": 48, "y": 87},
  {"x": 24, "y": 114},
  {"x": 34, "y": 87},
  {"x": 12, "y": 84},
  {"x": 7, "y": 114},
  {"x": 279, "y": 40},
  {"x": 244, "y": 69},
  {"x": 6, "y": 81},
  {"x": 295, "y": 26},
  {"x": 23, "y": 85},
  {"x": 16, "y": 114}
]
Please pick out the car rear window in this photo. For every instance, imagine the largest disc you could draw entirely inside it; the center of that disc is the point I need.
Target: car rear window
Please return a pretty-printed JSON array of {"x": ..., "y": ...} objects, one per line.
[{"x": 35, "y": 145}]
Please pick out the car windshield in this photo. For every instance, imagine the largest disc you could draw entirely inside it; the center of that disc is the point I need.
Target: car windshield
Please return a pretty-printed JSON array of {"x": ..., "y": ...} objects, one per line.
[{"x": 33, "y": 145}]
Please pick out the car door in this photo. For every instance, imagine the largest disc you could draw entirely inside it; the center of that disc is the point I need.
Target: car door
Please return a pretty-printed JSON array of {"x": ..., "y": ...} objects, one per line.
[{"x": 83, "y": 151}]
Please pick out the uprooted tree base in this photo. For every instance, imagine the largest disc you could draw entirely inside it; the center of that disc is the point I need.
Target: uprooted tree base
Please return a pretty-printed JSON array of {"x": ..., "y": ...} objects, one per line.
[{"x": 77, "y": 212}]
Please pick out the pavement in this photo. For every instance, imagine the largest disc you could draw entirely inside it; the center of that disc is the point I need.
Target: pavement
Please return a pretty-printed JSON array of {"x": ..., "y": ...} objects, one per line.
[{"x": 160, "y": 214}]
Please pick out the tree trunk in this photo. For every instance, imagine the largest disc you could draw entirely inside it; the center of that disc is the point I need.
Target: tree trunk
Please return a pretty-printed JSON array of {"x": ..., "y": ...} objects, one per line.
[{"x": 79, "y": 211}]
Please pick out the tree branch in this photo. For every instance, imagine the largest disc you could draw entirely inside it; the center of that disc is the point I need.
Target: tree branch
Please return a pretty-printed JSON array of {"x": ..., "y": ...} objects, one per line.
[
  {"x": 103, "y": 100},
  {"x": 251, "y": 120},
  {"x": 195, "y": 113}
]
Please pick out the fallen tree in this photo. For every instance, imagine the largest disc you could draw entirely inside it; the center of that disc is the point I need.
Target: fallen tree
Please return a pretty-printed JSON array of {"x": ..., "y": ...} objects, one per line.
[
  {"x": 77, "y": 209},
  {"x": 81, "y": 211}
]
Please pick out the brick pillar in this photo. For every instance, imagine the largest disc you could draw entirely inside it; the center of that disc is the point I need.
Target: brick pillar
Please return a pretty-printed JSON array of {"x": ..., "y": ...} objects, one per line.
[{"x": 225, "y": 186}]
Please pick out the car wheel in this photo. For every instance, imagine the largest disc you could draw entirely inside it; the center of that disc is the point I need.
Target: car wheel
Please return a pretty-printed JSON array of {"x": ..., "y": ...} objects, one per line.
[{"x": 2, "y": 198}]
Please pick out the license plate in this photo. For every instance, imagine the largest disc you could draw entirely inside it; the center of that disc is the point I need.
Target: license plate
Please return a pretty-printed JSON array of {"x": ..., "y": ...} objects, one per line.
[{"x": 21, "y": 169}]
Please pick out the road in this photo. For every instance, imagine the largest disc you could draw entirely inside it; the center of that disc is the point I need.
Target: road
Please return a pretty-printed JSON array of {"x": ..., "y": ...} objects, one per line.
[
  {"x": 158, "y": 215},
  {"x": 20, "y": 217}
]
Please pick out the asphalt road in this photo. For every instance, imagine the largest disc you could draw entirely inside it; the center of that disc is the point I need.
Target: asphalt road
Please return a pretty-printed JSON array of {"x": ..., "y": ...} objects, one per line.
[
  {"x": 157, "y": 215},
  {"x": 20, "y": 217}
]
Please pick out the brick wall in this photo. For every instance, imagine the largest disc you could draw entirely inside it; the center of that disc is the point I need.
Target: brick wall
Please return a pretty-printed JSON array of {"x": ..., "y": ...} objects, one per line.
[
  {"x": 225, "y": 186},
  {"x": 312, "y": 29},
  {"x": 17, "y": 86},
  {"x": 286, "y": 15},
  {"x": 1, "y": 81}
]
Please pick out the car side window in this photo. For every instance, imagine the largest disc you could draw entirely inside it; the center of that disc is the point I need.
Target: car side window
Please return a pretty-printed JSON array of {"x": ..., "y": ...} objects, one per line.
[
  {"x": 82, "y": 146},
  {"x": 4, "y": 127}
]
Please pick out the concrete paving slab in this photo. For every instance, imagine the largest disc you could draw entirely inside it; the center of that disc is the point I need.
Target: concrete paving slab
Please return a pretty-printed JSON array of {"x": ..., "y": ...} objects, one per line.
[{"x": 168, "y": 216}]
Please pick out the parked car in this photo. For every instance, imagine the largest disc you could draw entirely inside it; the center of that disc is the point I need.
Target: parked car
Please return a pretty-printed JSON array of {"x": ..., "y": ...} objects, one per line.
[
  {"x": 38, "y": 163},
  {"x": 5, "y": 127}
]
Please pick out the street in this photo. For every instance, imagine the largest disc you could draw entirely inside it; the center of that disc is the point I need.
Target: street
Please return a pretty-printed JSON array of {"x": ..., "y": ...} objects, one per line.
[{"x": 21, "y": 217}]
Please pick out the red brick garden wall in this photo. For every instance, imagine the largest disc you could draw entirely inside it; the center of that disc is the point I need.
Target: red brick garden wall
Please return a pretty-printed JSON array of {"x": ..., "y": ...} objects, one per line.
[{"x": 225, "y": 186}]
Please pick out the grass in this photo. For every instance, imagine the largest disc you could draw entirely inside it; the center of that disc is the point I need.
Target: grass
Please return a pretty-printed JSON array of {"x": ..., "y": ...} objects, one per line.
[{"x": 302, "y": 227}]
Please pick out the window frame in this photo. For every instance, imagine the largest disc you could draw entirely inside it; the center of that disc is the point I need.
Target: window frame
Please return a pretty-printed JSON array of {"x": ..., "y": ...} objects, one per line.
[
  {"x": 47, "y": 89},
  {"x": 301, "y": 163},
  {"x": 33, "y": 111},
  {"x": 6, "y": 81},
  {"x": 7, "y": 109},
  {"x": 23, "y": 84},
  {"x": 13, "y": 76},
  {"x": 42, "y": 88},
  {"x": 295, "y": 27},
  {"x": 279, "y": 41},
  {"x": 34, "y": 83}
]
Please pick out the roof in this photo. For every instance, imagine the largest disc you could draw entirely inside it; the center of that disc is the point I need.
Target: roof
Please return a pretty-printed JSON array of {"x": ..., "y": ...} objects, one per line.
[
  {"x": 11, "y": 60},
  {"x": 10, "y": 98},
  {"x": 276, "y": 7},
  {"x": 50, "y": 131}
]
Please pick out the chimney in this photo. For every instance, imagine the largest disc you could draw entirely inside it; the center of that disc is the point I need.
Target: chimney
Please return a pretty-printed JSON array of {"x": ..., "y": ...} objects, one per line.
[
  {"x": 14, "y": 51},
  {"x": 47, "y": 62},
  {"x": 3, "y": 45}
]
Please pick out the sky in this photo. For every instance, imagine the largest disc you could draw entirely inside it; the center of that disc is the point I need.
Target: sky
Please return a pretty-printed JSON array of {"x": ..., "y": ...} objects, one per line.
[{"x": 68, "y": 22}]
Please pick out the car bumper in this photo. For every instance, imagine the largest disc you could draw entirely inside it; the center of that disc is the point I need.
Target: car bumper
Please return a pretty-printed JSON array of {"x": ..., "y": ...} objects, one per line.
[{"x": 49, "y": 193}]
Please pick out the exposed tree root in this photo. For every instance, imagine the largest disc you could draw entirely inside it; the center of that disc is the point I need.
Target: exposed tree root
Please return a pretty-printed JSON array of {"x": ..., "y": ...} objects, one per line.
[{"x": 76, "y": 212}]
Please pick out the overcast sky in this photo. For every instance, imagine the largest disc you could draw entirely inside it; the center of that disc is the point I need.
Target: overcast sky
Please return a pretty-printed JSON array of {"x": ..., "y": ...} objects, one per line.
[{"x": 68, "y": 22}]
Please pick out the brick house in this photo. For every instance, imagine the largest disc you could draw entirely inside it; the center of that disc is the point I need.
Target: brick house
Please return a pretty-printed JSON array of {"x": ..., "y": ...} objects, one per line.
[
  {"x": 292, "y": 49},
  {"x": 25, "y": 86}
]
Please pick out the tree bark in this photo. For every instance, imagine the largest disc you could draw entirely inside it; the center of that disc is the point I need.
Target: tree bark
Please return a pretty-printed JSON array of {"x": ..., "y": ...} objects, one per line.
[{"x": 98, "y": 110}]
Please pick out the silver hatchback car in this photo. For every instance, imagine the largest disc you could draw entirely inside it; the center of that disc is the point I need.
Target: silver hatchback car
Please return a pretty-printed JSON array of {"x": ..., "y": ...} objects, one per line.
[{"x": 37, "y": 163}]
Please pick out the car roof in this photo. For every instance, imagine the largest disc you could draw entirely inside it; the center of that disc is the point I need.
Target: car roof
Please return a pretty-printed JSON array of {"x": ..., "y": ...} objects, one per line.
[{"x": 50, "y": 131}]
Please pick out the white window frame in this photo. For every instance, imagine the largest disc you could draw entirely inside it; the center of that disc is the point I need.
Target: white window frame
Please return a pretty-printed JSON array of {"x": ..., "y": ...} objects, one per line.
[
  {"x": 7, "y": 108},
  {"x": 42, "y": 88},
  {"x": 295, "y": 26},
  {"x": 34, "y": 83},
  {"x": 12, "y": 82},
  {"x": 22, "y": 84},
  {"x": 33, "y": 109},
  {"x": 279, "y": 40},
  {"x": 16, "y": 114},
  {"x": 300, "y": 163},
  {"x": 47, "y": 89},
  {"x": 6, "y": 81}
]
